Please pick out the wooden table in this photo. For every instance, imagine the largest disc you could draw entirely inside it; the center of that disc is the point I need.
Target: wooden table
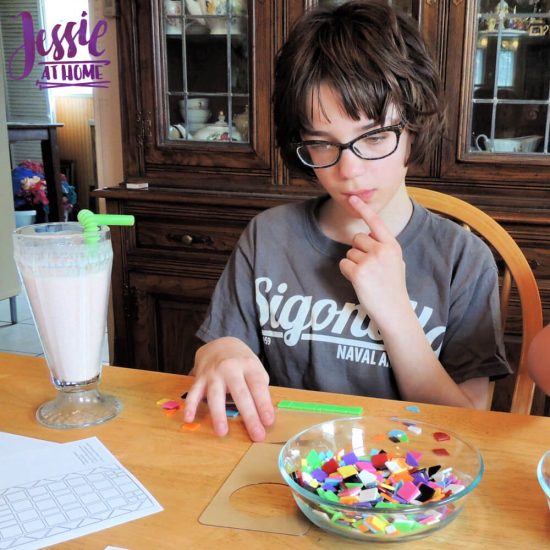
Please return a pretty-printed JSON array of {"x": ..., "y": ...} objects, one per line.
[{"x": 184, "y": 470}]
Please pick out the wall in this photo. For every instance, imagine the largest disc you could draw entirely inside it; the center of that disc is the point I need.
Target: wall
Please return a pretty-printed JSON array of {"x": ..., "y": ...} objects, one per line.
[{"x": 75, "y": 140}]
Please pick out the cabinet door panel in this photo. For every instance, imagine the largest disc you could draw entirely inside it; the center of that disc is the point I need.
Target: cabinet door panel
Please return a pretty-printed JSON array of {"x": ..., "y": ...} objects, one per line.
[
  {"x": 499, "y": 121},
  {"x": 163, "y": 320},
  {"x": 177, "y": 58}
]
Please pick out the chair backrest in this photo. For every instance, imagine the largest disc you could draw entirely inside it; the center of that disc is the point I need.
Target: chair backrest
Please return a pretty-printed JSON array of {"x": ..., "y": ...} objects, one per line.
[{"x": 516, "y": 270}]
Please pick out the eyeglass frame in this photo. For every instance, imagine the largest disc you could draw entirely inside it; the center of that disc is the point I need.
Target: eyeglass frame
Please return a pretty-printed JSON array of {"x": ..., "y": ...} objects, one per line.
[{"x": 397, "y": 129}]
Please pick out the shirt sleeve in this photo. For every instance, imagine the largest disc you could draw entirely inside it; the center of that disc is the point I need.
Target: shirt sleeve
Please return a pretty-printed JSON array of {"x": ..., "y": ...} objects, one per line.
[{"x": 473, "y": 345}]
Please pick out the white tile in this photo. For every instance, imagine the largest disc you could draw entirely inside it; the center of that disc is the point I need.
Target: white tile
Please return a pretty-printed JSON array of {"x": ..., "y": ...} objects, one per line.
[
  {"x": 20, "y": 338},
  {"x": 22, "y": 309},
  {"x": 4, "y": 311}
]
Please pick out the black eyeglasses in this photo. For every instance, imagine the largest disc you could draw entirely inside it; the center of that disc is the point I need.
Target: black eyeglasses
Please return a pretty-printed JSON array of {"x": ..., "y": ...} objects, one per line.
[{"x": 373, "y": 145}]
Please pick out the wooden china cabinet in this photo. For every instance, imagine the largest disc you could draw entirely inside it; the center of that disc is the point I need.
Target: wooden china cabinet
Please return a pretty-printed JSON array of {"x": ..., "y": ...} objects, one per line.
[{"x": 196, "y": 79}]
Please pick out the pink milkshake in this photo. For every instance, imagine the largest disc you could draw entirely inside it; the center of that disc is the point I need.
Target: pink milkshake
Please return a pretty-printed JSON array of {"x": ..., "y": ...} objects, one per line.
[{"x": 67, "y": 281}]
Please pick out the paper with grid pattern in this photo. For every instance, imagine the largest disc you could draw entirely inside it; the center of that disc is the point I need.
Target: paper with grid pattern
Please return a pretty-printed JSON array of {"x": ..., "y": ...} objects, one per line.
[{"x": 57, "y": 493}]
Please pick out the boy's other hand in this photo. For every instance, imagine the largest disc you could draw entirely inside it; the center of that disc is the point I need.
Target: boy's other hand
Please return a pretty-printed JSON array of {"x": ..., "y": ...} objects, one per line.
[
  {"x": 375, "y": 267},
  {"x": 228, "y": 365}
]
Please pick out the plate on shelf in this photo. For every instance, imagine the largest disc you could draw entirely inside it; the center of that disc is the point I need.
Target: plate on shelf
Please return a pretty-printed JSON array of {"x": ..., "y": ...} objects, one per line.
[{"x": 504, "y": 32}]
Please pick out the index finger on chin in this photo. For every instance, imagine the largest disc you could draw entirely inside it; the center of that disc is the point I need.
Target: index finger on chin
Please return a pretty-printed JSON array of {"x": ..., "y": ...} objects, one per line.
[{"x": 378, "y": 229}]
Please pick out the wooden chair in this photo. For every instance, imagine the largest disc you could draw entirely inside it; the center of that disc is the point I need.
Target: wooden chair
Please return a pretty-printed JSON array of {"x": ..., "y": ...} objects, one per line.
[{"x": 516, "y": 270}]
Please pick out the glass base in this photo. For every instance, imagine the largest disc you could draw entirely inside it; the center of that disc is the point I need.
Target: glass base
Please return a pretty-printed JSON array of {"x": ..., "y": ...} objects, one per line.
[{"x": 77, "y": 408}]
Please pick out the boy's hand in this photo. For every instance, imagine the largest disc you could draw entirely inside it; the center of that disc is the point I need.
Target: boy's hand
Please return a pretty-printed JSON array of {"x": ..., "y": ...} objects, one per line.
[
  {"x": 228, "y": 365},
  {"x": 375, "y": 267}
]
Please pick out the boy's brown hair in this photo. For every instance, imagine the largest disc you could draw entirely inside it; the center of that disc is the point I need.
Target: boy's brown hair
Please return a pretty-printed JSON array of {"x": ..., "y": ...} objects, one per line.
[{"x": 369, "y": 54}]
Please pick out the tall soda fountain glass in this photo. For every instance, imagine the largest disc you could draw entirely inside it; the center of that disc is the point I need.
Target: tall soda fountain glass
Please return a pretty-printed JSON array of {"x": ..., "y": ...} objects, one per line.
[{"x": 67, "y": 278}]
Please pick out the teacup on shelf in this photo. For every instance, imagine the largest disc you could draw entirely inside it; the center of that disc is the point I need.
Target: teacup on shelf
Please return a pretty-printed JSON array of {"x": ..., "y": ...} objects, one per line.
[{"x": 523, "y": 144}]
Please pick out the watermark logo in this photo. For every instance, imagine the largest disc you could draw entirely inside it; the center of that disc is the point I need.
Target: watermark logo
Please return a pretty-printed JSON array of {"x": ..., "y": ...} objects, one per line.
[{"x": 66, "y": 43}]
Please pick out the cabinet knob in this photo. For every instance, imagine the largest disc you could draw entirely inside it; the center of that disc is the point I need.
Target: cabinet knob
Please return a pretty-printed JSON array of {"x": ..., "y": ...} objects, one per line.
[{"x": 188, "y": 239}]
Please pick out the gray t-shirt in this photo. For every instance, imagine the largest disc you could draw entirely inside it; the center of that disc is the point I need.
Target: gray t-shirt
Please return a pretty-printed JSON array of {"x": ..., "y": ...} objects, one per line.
[{"x": 282, "y": 293}]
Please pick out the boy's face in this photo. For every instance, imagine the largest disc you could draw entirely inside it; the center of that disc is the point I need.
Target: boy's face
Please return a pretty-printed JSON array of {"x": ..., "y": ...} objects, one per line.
[{"x": 376, "y": 182}]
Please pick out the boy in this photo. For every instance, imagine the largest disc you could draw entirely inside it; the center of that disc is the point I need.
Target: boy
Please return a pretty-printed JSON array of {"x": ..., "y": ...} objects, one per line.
[{"x": 360, "y": 291}]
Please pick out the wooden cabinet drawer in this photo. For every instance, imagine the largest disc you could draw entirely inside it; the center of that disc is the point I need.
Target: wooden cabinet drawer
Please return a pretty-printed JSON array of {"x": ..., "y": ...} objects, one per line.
[
  {"x": 175, "y": 230},
  {"x": 184, "y": 236}
]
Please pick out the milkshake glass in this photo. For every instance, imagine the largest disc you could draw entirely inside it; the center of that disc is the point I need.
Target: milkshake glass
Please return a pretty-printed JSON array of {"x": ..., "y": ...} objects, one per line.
[{"x": 67, "y": 280}]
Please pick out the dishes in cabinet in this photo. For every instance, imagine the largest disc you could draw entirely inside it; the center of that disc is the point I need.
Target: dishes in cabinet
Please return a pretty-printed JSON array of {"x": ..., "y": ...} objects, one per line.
[
  {"x": 178, "y": 131},
  {"x": 242, "y": 122},
  {"x": 173, "y": 11},
  {"x": 196, "y": 114},
  {"x": 503, "y": 32},
  {"x": 522, "y": 144},
  {"x": 219, "y": 131},
  {"x": 218, "y": 13},
  {"x": 196, "y": 103}
]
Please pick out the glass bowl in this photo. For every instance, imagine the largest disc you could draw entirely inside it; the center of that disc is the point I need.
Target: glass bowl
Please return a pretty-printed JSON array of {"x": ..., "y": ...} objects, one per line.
[
  {"x": 543, "y": 474},
  {"x": 378, "y": 478}
]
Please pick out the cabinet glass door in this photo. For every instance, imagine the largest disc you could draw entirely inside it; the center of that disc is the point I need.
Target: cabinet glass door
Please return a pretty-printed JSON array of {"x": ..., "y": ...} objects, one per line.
[
  {"x": 511, "y": 77},
  {"x": 409, "y": 6},
  {"x": 197, "y": 82},
  {"x": 206, "y": 74}
]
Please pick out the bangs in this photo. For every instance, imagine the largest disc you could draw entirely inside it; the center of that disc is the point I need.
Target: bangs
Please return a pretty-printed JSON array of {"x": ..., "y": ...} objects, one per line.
[{"x": 373, "y": 59}]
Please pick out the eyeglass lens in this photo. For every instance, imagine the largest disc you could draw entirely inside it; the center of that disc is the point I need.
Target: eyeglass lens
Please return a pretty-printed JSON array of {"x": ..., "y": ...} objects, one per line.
[{"x": 369, "y": 147}]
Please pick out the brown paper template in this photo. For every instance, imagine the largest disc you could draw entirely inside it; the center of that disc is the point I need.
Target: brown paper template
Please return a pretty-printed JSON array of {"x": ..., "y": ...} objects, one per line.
[
  {"x": 258, "y": 466},
  {"x": 290, "y": 422}
]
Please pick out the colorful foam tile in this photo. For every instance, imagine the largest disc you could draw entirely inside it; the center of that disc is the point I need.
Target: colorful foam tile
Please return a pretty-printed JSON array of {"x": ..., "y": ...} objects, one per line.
[
  {"x": 330, "y": 466},
  {"x": 190, "y": 426},
  {"x": 162, "y": 401},
  {"x": 408, "y": 491},
  {"x": 412, "y": 408},
  {"x": 313, "y": 460},
  {"x": 440, "y": 452},
  {"x": 411, "y": 460},
  {"x": 349, "y": 458},
  {"x": 441, "y": 436},
  {"x": 398, "y": 435},
  {"x": 347, "y": 471},
  {"x": 171, "y": 405}
]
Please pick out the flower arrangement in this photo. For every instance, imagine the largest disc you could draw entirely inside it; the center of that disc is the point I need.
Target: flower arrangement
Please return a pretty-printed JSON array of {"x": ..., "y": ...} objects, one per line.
[
  {"x": 29, "y": 188},
  {"x": 30, "y": 191}
]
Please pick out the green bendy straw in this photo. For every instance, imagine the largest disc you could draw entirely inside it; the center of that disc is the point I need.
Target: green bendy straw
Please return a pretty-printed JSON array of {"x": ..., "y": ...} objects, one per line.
[
  {"x": 319, "y": 407},
  {"x": 90, "y": 222}
]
